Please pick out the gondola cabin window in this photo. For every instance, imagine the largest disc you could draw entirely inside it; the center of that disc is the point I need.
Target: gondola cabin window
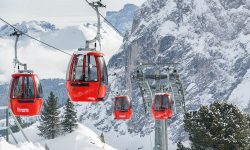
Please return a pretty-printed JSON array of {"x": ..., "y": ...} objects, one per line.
[
  {"x": 23, "y": 87},
  {"x": 84, "y": 68},
  {"x": 122, "y": 104}
]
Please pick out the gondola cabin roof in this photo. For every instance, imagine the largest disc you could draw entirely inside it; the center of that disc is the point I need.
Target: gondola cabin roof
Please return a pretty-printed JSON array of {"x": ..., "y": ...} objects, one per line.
[
  {"x": 22, "y": 74},
  {"x": 94, "y": 53},
  {"x": 163, "y": 94}
]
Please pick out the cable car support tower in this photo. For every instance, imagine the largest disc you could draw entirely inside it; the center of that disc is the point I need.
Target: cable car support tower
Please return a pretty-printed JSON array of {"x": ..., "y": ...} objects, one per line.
[
  {"x": 150, "y": 84},
  {"x": 95, "y": 5}
]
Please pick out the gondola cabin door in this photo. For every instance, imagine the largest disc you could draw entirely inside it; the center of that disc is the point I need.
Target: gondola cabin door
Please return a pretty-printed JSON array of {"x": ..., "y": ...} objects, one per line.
[{"x": 87, "y": 77}]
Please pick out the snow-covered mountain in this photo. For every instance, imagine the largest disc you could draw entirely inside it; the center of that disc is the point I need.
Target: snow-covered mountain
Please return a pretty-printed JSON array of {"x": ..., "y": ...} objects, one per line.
[
  {"x": 123, "y": 18},
  {"x": 81, "y": 139},
  {"x": 30, "y": 26}
]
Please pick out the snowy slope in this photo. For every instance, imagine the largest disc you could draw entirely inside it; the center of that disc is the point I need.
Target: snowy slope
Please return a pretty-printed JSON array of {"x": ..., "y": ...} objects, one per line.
[
  {"x": 240, "y": 95},
  {"x": 24, "y": 146},
  {"x": 81, "y": 139}
]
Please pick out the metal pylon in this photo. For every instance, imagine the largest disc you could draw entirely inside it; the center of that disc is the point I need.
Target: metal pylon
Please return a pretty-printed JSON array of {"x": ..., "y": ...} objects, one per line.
[{"x": 169, "y": 82}]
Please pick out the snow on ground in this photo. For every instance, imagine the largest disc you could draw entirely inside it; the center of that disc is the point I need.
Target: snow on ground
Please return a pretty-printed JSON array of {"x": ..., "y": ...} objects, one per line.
[
  {"x": 135, "y": 140},
  {"x": 119, "y": 137},
  {"x": 24, "y": 146},
  {"x": 240, "y": 95},
  {"x": 81, "y": 139}
]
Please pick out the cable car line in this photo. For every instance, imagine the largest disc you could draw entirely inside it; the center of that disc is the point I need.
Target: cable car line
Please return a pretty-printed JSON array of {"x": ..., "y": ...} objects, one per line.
[
  {"x": 112, "y": 26},
  {"x": 107, "y": 21},
  {"x": 34, "y": 38}
]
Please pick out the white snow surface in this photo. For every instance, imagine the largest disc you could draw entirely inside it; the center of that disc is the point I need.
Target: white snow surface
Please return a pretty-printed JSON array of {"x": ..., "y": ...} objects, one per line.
[
  {"x": 81, "y": 139},
  {"x": 240, "y": 95},
  {"x": 24, "y": 146}
]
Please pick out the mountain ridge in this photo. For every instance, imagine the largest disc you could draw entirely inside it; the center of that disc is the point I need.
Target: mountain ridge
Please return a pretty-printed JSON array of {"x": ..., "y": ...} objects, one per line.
[{"x": 123, "y": 18}]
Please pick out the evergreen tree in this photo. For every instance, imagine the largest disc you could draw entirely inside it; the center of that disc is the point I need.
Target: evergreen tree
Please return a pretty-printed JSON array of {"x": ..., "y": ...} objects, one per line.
[
  {"x": 50, "y": 125},
  {"x": 218, "y": 126},
  {"x": 69, "y": 122}
]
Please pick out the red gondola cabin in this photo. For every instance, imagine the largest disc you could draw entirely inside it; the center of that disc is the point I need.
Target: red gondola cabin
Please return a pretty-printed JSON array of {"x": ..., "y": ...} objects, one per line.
[
  {"x": 122, "y": 109},
  {"x": 25, "y": 94},
  {"x": 87, "y": 77},
  {"x": 161, "y": 108}
]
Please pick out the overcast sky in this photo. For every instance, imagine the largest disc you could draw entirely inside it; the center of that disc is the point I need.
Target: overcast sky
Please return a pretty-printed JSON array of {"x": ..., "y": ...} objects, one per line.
[{"x": 55, "y": 10}]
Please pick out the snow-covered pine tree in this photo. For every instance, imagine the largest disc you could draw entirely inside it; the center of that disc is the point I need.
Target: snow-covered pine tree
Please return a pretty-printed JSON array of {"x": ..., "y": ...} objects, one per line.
[
  {"x": 50, "y": 124},
  {"x": 69, "y": 122},
  {"x": 218, "y": 126}
]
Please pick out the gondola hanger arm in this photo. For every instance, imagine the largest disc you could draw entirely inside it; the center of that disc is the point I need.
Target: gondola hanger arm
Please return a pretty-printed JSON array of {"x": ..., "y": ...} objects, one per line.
[{"x": 17, "y": 34}]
